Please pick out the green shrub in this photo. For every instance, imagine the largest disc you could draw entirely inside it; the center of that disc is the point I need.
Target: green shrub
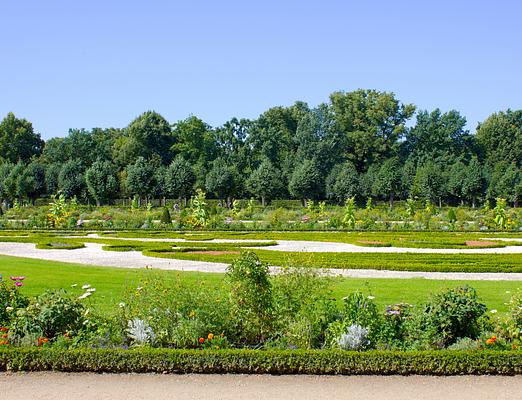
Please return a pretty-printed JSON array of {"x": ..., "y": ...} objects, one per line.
[
  {"x": 251, "y": 297},
  {"x": 264, "y": 362},
  {"x": 448, "y": 316},
  {"x": 48, "y": 315},
  {"x": 166, "y": 219},
  {"x": 11, "y": 299}
]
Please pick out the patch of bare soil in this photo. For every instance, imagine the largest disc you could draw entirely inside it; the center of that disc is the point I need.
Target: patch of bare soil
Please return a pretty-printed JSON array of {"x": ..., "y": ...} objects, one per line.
[{"x": 478, "y": 243}]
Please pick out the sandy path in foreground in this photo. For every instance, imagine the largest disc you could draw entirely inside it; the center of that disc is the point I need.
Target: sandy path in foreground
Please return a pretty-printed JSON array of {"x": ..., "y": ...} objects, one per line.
[
  {"x": 93, "y": 254},
  {"x": 62, "y": 386}
]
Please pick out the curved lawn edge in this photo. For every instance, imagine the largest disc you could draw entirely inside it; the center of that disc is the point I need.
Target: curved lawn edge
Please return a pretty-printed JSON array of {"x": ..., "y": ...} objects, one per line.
[{"x": 323, "y": 362}]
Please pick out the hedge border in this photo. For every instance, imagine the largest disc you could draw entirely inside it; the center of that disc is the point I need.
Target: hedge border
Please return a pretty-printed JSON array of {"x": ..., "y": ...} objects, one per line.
[{"x": 327, "y": 362}]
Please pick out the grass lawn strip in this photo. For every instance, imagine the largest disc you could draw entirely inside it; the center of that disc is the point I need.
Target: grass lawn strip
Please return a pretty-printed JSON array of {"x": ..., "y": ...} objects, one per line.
[{"x": 111, "y": 283}]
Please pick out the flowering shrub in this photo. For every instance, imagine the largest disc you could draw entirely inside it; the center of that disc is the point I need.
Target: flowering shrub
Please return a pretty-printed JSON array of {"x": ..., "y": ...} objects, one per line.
[
  {"x": 48, "y": 315},
  {"x": 11, "y": 299}
]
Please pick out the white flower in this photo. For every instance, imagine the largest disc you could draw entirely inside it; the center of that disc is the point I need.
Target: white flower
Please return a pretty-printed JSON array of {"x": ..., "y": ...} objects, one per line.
[
  {"x": 9, "y": 309},
  {"x": 74, "y": 285},
  {"x": 85, "y": 295},
  {"x": 493, "y": 311},
  {"x": 371, "y": 297},
  {"x": 139, "y": 288},
  {"x": 86, "y": 286},
  {"x": 122, "y": 304},
  {"x": 91, "y": 290},
  {"x": 508, "y": 291}
]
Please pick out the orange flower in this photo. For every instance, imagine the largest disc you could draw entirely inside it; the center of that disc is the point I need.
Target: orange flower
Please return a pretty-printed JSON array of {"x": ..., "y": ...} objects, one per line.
[
  {"x": 210, "y": 336},
  {"x": 4, "y": 336},
  {"x": 201, "y": 340},
  {"x": 491, "y": 340}
]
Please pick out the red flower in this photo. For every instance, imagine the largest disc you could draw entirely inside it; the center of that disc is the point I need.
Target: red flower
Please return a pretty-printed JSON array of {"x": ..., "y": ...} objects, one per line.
[{"x": 201, "y": 340}]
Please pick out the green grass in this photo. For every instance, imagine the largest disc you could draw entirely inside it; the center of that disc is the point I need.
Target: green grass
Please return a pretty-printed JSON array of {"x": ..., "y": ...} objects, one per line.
[
  {"x": 112, "y": 282},
  {"x": 382, "y": 261},
  {"x": 435, "y": 240}
]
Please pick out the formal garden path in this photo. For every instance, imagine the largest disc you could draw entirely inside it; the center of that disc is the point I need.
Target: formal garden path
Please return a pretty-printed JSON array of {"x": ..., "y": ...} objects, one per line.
[
  {"x": 93, "y": 254},
  {"x": 86, "y": 386}
]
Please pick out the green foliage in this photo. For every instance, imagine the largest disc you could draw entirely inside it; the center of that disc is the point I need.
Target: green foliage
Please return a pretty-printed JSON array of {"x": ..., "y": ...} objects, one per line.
[
  {"x": 47, "y": 316},
  {"x": 59, "y": 211},
  {"x": 11, "y": 299},
  {"x": 343, "y": 182},
  {"x": 71, "y": 180},
  {"x": 150, "y": 134},
  {"x": 265, "y": 182},
  {"x": 140, "y": 177},
  {"x": 305, "y": 182},
  {"x": 318, "y": 362},
  {"x": 251, "y": 297},
  {"x": 221, "y": 180},
  {"x": 450, "y": 315},
  {"x": 198, "y": 210},
  {"x": 500, "y": 213},
  {"x": 18, "y": 141},
  {"x": 166, "y": 219},
  {"x": 179, "y": 178},
  {"x": 101, "y": 181},
  {"x": 349, "y": 213}
]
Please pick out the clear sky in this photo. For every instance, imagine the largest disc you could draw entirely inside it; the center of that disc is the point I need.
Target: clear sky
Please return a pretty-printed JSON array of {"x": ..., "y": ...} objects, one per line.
[{"x": 100, "y": 63}]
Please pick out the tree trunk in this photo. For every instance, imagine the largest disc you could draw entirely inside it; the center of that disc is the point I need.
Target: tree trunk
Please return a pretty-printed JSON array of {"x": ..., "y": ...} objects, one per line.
[
  {"x": 98, "y": 203},
  {"x": 263, "y": 201},
  {"x": 391, "y": 199}
]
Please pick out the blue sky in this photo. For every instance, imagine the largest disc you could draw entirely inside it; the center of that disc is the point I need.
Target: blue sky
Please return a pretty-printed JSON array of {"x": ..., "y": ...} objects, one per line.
[{"x": 84, "y": 64}]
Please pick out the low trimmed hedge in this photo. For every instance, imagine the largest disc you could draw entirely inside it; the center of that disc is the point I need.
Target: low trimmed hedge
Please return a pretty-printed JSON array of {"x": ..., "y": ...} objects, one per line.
[{"x": 263, "y": 362}]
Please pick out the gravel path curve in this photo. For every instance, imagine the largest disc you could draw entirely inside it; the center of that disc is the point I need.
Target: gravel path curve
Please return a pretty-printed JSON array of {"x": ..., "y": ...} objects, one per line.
[
  {"x": 93, "y": 254},
  {"x": 87, "y": 386}
]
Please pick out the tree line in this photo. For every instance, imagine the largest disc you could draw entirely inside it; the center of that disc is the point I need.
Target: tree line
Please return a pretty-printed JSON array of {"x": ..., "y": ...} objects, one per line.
[{"x": 364, "y": 143}]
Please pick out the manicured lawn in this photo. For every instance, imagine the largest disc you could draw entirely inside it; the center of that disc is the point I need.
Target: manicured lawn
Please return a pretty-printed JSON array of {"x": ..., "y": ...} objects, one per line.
[{"x": 112, "y": 282}]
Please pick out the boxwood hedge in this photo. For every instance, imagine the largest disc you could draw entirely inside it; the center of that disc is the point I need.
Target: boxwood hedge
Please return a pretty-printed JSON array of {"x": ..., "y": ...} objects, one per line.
[{"x": 263, "y": 362}]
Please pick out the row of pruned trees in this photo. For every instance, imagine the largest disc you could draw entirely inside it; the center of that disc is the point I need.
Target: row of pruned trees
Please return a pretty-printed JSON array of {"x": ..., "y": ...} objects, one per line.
[{"x": 356, "y": 144}]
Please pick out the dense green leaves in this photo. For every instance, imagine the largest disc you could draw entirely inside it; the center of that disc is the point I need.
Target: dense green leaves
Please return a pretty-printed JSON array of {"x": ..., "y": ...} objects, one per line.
[
  {"x": 361, "y": 143},
  {"x": 18, "y": 141},
  {"x": 101, "y": 181}
]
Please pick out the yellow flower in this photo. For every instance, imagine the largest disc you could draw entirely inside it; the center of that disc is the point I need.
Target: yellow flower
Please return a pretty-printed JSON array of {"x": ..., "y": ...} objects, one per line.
[{"x": 210, "y": 336}]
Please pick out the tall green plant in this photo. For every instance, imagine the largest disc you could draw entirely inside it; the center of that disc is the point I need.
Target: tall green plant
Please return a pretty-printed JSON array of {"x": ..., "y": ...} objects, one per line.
[{"x": 349, "y": 213}]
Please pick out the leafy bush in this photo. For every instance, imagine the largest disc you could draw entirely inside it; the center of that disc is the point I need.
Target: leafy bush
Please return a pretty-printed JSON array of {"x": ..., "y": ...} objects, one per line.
[
  {"x": 166, "y": 219},
  {"x": 11, "y": 299},
  {"x": 48, "y": 315},
  {"x": 448, "y": 316},
  {"x": 251, "y": 297}
]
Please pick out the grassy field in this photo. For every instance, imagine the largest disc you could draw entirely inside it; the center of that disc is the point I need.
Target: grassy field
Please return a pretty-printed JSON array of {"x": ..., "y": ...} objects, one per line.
[{"x": 112, "y": 282}]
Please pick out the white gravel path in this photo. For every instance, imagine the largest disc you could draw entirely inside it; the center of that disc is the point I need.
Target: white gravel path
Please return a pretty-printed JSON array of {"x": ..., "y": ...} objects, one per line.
[
  {"x": 304, "y": 246},
  {"x": 93, "y": 254}
]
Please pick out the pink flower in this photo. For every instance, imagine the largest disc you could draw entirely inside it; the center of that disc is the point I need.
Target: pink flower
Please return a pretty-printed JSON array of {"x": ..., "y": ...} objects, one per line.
[{"x": 18, "y": 284}]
